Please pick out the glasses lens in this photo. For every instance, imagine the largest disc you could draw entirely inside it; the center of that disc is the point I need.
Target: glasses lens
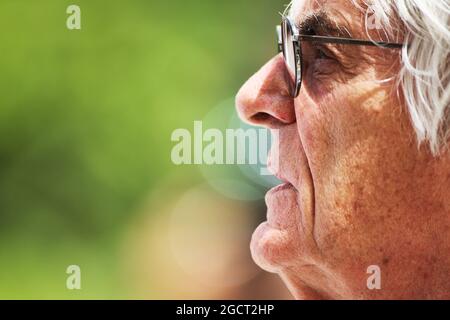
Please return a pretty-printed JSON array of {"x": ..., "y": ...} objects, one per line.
[{"x": 288, "y": 48}]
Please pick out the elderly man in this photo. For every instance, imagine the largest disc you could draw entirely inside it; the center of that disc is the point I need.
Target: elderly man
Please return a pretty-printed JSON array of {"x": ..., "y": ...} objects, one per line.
[{"x": 360, "y": 99}]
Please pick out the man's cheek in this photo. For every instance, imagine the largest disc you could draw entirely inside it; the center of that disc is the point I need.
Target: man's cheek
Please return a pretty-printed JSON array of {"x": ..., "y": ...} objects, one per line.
[
  {"x": 346, "y": 255},
  {"x": 319, "y": 138},
  {"x": 352, "y": 243}
]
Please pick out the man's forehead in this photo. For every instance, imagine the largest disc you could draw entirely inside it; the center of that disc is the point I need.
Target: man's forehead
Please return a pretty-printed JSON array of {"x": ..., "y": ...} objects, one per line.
[{"x": 344, "y": 14}]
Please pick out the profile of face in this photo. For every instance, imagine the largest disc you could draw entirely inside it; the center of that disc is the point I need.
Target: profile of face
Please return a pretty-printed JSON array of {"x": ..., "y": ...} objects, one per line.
[{"x": 363, "y": 213}]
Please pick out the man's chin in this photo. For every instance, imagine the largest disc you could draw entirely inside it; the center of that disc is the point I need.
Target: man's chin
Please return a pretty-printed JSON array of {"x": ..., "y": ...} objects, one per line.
[
  {"x": 268, "y": 246},
  {"x": 272, "y": 249}
]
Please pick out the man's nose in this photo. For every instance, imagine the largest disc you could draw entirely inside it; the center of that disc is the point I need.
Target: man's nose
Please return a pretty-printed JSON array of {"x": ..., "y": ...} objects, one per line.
[{"x": 265, "y": 99}]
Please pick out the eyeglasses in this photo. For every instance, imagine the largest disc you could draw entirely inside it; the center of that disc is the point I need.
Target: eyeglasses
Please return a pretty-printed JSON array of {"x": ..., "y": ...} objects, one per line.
[{"x": 289, "y": 42}]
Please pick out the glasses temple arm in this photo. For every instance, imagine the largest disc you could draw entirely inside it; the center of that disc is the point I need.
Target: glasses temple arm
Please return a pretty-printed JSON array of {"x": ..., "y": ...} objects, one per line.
[{"x": 337, "y": 40}]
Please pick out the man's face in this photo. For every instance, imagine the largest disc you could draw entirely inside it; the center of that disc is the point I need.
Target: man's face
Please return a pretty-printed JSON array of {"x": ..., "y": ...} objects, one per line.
[{"x": 355, "y": 178}]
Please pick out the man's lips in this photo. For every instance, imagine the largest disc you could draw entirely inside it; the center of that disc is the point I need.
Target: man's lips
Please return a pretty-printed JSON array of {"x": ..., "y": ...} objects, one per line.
[
  {"x": 281, "y": 201},
  {"x": 282, "y": 205},
  {"x": 287, "y": 161}
]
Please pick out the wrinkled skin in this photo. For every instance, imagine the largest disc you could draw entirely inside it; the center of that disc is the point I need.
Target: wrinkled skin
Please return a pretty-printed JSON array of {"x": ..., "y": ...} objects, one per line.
[{"x": 361, "y": 192}]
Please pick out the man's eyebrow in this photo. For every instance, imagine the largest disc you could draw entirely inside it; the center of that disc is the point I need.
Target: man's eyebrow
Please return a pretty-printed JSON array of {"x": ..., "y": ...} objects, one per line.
[{"x": 321, "y": 24}]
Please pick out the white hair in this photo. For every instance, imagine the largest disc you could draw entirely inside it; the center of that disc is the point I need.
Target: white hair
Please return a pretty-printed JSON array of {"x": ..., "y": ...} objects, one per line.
[{"x": 425, "y": 73}]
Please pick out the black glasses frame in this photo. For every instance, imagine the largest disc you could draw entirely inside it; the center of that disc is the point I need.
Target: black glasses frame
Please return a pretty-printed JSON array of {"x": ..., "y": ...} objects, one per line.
[{"x": 287, "y": 26}]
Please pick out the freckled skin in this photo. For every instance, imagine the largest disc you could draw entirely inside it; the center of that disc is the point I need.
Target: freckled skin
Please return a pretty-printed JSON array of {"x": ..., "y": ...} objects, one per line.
[{"x": 365, "y": 193}]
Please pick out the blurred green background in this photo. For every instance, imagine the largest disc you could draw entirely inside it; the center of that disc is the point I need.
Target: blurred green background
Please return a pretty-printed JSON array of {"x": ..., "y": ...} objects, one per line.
[{"x": 86, "y": 118}]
